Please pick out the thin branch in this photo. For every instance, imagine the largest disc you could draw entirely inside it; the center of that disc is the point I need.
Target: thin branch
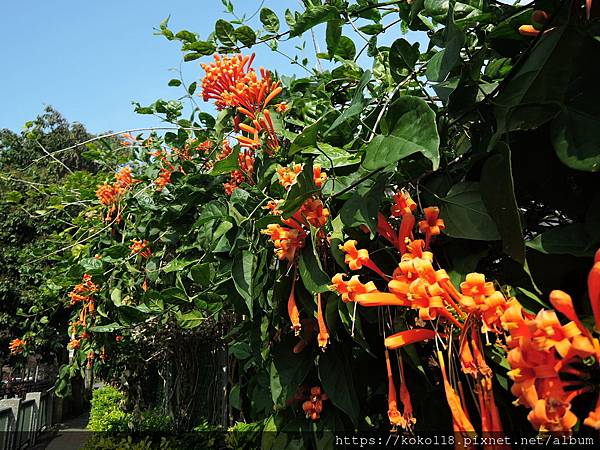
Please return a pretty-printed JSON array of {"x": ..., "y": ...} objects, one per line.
[
  {"x": 116, "y": 133},
  {"x": 52, "y": 156}
]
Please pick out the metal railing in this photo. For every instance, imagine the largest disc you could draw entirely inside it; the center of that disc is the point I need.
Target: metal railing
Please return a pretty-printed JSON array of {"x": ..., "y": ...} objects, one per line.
[{"x": 21, "y": 421}]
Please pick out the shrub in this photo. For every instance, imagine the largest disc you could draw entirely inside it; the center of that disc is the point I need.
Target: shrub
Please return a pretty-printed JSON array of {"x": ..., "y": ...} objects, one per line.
[
  {"x": 244, "y": 436},
  {"x": 153, "y": 421},
  {"x": 106, "y": 413}
]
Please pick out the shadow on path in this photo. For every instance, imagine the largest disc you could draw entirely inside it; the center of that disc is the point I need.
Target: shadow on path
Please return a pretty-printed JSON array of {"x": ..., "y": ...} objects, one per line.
[{"x": 71, "y": 435}]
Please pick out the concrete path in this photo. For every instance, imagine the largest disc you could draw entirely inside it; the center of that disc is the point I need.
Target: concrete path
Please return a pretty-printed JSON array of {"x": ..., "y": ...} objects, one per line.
[{"x": 72, "y": 434}]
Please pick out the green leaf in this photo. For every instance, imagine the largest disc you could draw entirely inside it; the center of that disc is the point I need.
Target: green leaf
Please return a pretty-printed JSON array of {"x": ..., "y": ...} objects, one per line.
[
  {"x": 332, "y": 35},
  {"x": 228, "y": 164},
  {"x": 246, "y": 35},
  {"x": 128, "y": 315},
  {"x": 177, "y": 264},
  {"x": 497, "y": 192},
  {"x": 186, "y": 36},
  {"x": 372, "y": 29},
  {"x": 201, "y": 274},
  {"x": 570, "y": 239},
  {"x": 465, "y": 215},
  {"x": 335, "y": 373},
  {"x": 187, "y": 58},
  {"x": 442, "y": 63},
  {"x": 308, "y": 136},
  {"x": 288, "y": 370},
  {"x": 13, "y": 197},
  {"x": 175, "y": 296},
  {"x": 106, "y": 328},
  {"x": 174, "y": 82},
  {"x": 115, "y": 296},
  {"x": 346, "y": 49},
  {"x": 332, "y": 158},
  {"x": 363, "y": 209},
  {"x": 225, "y": 33},
  {"x": 91, "y": 264},
  {"x": 191, "y": 319},
  {"x": 204, "y": 48},
  {"x": 245, "y": 272},
  {"x": 314, "y": 278},
  {"x": 402, "y": 58},
  {"x": 576, "y": 139},
  {"x": 534, "y": 94},
  {"x": 269, "y": 20},
  {"x": 411, "y": 128},
  {"x": 357, "y": 105},
  {"x": 313, "y": 15}
]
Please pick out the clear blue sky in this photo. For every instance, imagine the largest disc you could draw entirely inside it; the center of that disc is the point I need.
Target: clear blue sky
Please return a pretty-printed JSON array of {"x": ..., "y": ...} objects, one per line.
[{"x": 91, "y": 59}]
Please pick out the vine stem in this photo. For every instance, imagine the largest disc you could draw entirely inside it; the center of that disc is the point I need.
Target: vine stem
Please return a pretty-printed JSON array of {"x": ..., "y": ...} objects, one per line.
[{"x": 115, "y": 133}]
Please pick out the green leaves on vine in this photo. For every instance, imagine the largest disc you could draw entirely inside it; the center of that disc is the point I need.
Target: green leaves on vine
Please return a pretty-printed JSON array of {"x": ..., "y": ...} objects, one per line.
[{"x": 409, "y": 127}]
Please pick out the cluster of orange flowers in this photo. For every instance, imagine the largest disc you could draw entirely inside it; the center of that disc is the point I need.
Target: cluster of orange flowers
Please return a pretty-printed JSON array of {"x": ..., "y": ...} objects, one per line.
[
  {"x": 141, "y": 247},
  {"x": 110, "y": 194},
  {"x": 82, "y": 293},
  {"x": 190, "y": 146},
  {"x": 287, "y": 175},
  {"x": 289, "y": 237},
  {"x": 246, "y": 159},
  {"x": 313, "y": 407},
  {"x": 541, "y": 350},
  {"x": 232, "y": 83},
  {"x": 17, "y": 346}
]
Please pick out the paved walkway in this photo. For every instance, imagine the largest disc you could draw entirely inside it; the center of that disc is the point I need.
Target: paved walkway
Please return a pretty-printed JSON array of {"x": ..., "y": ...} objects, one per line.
[{"x": 72, "y": 435}]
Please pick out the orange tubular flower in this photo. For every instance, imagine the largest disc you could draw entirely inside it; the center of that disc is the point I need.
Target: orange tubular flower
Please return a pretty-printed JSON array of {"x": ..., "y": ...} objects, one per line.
[
  {"x": 17, "y": 346},
  {"x": 351, "y": 288},
  {"x": 222, "y": 76},
  {"x": 407, "y": 412},
  {"x": 432, "y": 225},
  {"x": 358, "y": 258},
  {"x": 405, "y": 231},
  {"x": 408, "y": 337},
  {"x": 481, "y": 298},
  {"x": 313, "y": 407},
  {"x": 460, "y": 419},
  {"x": 403, "y": 204},
  {"x": 381, "y": 299},
  {"x": 287, "y": 176},
  {"x": 563, "y": 303},
  {"x": 226, "y": 150},
  {"x": 540, "y": 348},
  {"x": 141, "y": 247},
  {"x": 393, "y": 413},
  {"x": 124, "y": 177},
  {"x": 594, "y": 290},
  {"x": 293, "y": 309},
  {"x": 386, "y": 231},
  {"x": 314, "y": 212},
  {"x": 319, "y": 176},
  {"x": 287, "y": 241},
  {"x": 281, "y": 107},
  {"x": 593, "y": 418},
  {"x": 528, "y": 30},
  {"x": 266, "y": 123},
  {"x": 323, "y": 336},
  {"x": 163, "y": 179},
  {"x": 107, "y": 194}
]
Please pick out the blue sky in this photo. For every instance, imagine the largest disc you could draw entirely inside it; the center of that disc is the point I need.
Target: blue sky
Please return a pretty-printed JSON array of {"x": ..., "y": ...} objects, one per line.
[{"x": 91, "y": 59}]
